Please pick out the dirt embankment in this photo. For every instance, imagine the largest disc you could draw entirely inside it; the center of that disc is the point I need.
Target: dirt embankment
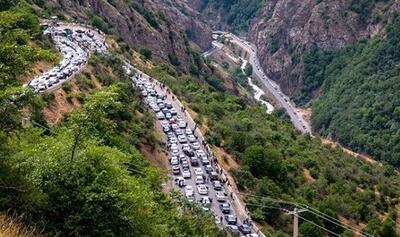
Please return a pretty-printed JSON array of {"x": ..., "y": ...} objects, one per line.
[{"x": 350, "y": 152}]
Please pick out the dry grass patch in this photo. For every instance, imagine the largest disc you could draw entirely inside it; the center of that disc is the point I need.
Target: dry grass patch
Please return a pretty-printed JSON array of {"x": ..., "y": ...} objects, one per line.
[{"x": 10, "y": 227}]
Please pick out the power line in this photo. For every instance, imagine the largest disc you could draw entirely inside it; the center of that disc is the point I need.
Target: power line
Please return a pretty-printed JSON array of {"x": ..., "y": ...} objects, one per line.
[
  {"x": 334, "y": 220},
  {"x": 283, "y": 209},
  {"x": 270, "y": 199},
  {"x": 42, "y": 126},
  {"x": 315, "y": 212},
  {"x": 270, "y": 207},
  {"x": 319, "y": 226}
]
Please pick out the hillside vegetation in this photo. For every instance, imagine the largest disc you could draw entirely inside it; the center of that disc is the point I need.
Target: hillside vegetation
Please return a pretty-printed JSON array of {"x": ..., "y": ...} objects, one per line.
[
  {"x": 237, "y": 14},
  {"x": 86, "y": 176},
  {"x": 274, "y": 157},
  {"x": 360, "y": 101}
]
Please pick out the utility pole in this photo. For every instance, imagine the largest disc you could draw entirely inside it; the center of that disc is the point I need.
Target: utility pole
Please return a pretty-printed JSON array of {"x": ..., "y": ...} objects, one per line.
[{"x": 295, "y": 214}]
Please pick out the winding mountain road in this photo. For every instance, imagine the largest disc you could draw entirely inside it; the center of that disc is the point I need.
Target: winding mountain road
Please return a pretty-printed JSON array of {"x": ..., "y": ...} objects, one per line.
[
  {"x": 75, "y": 42},
  {"x": 269, "y": 85}
]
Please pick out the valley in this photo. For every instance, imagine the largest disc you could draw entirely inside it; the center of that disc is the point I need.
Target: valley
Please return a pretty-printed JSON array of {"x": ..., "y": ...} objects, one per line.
[{"x": 199, "y": 118}]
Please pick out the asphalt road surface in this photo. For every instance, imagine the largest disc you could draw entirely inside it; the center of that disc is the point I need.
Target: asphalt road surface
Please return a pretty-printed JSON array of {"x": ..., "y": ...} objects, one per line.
[
  {"x": 146, "y": 85},
  {"x": 74, "y": 42},
  {"x": 75, "y": 47},
  {"x": 269, "y": 85}
]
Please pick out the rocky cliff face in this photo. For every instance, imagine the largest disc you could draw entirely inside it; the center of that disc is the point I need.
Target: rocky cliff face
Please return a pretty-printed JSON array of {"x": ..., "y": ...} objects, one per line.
[
  {"x": 285, "y": 29},
  {"x": 159, "y": 25}
]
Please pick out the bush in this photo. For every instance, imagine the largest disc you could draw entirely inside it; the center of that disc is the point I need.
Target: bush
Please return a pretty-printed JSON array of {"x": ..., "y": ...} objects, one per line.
[
  {"x": 48, "y": 97},
  {"x": 248, "y": 70},
  {"x": 99, "y": 23},
  {"x": 69, "y": 98},
  {"x": 85, "y": 83},
  {"x": 225, "y": 65},
  {"x": 145, "y": 52},
  {"x": 174, "y": 59},
  {"x": 81, "y": 97},
  {"x": 67, "y": 87}
]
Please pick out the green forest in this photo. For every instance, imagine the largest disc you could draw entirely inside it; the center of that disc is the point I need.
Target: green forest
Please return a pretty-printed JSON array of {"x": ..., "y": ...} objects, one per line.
[
  {"x": 274, "y": 157},
  {"x": 360, "y": 101},
  {"x": 85, "y": 176},
  {"x": 237, "y": 13}
]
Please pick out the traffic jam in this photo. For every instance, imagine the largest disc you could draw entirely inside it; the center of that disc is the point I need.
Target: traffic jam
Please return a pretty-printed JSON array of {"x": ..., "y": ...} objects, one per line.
[
  {"x": 74, "y": 43},
  {"x": 194, "y": 169}
]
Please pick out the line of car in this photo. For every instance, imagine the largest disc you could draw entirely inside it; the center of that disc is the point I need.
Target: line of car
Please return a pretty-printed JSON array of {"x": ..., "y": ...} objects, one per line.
[
  {"x": 74, "y": 45},
  {"x": 194, "y": 171},
  {"x": 297, "y": 120}
]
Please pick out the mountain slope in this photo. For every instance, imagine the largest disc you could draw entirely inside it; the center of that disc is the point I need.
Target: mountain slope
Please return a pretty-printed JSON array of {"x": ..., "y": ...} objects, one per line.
[
  {"x": 284, "y": 30},
  {"x": 86, "y": 175},
  {"x": 164, "y": 27},
  {"x": 360, "y": 100},
  {"x": 277, "y": 162}
]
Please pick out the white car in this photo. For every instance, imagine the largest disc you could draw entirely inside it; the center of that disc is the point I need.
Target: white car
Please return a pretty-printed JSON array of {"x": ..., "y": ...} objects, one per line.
[
  {"x": 173, "y": 111},
  {"x": 203, "y": 190},
  {"x": 174, "y": 127},
  {"x": 252, "y": 235},
  {"x": 200, "y": 153},
  {"x": 173, "y": 140},
  {"x": 205, "y": 161},
  {"x": 198, "y": 171},
  {"x": 178, "y": 132},
  {"x": 175, "y": 152},
  {"x": 182, "y": 139},
  {"x": 186, "y": 174},
  {"x": 188, "y": 131},
  {"x": 160, "y": 116},
  {"x": 199, "y": 179},
  {"x": 174, "y": 160},
  {"x": 205, "y": 203},
  {"x": 196, "y": 146},
  {"x": 176, "y": 169},
  {"x": 156, "y": 109},
  {"x": 220, "y": 196},
  {"x": 189, "y": 190},
  {"x": 182, "y": 125},
  {"x": 185, "y": 147},
  {"x": 191, "y": 138}
]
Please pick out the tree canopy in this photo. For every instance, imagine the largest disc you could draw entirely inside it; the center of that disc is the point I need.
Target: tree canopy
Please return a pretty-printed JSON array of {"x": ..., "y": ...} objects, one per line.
[{"x": 360, "y": 101}]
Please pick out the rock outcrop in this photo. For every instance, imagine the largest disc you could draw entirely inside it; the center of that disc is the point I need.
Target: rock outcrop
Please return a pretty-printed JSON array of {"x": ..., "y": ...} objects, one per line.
[
  {"x": 286, "y": 29},
  {"x": 158, "y": 25}
]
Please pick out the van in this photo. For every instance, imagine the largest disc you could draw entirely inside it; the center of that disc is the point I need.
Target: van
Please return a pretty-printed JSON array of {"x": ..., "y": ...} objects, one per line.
[
  {"x": 214, "y": 176},
  {"x": 194, "y": 161}
]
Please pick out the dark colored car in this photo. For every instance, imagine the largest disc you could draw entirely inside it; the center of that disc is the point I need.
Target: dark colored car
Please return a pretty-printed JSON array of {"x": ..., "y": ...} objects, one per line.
[
  {"x": 245, "y": 229},
  {"x": 231, "y": 219},
  {"x": 189, "y": 153},
  {"x": 208, "y": 169},
  {"x": 225, "y": 208},
  {"x": 217, "y": 185},
  {"x": 214, "y": 176},
  {"x": 194, "y": 161}
]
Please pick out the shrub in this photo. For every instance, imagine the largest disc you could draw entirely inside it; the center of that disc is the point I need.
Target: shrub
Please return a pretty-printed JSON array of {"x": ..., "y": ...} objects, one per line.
[
  {"x": 48, "y": 97},
  {"x": 69, "y": 98},
  {"x": 145, "y": 52},
  {"x": 67, "y": 88}
]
